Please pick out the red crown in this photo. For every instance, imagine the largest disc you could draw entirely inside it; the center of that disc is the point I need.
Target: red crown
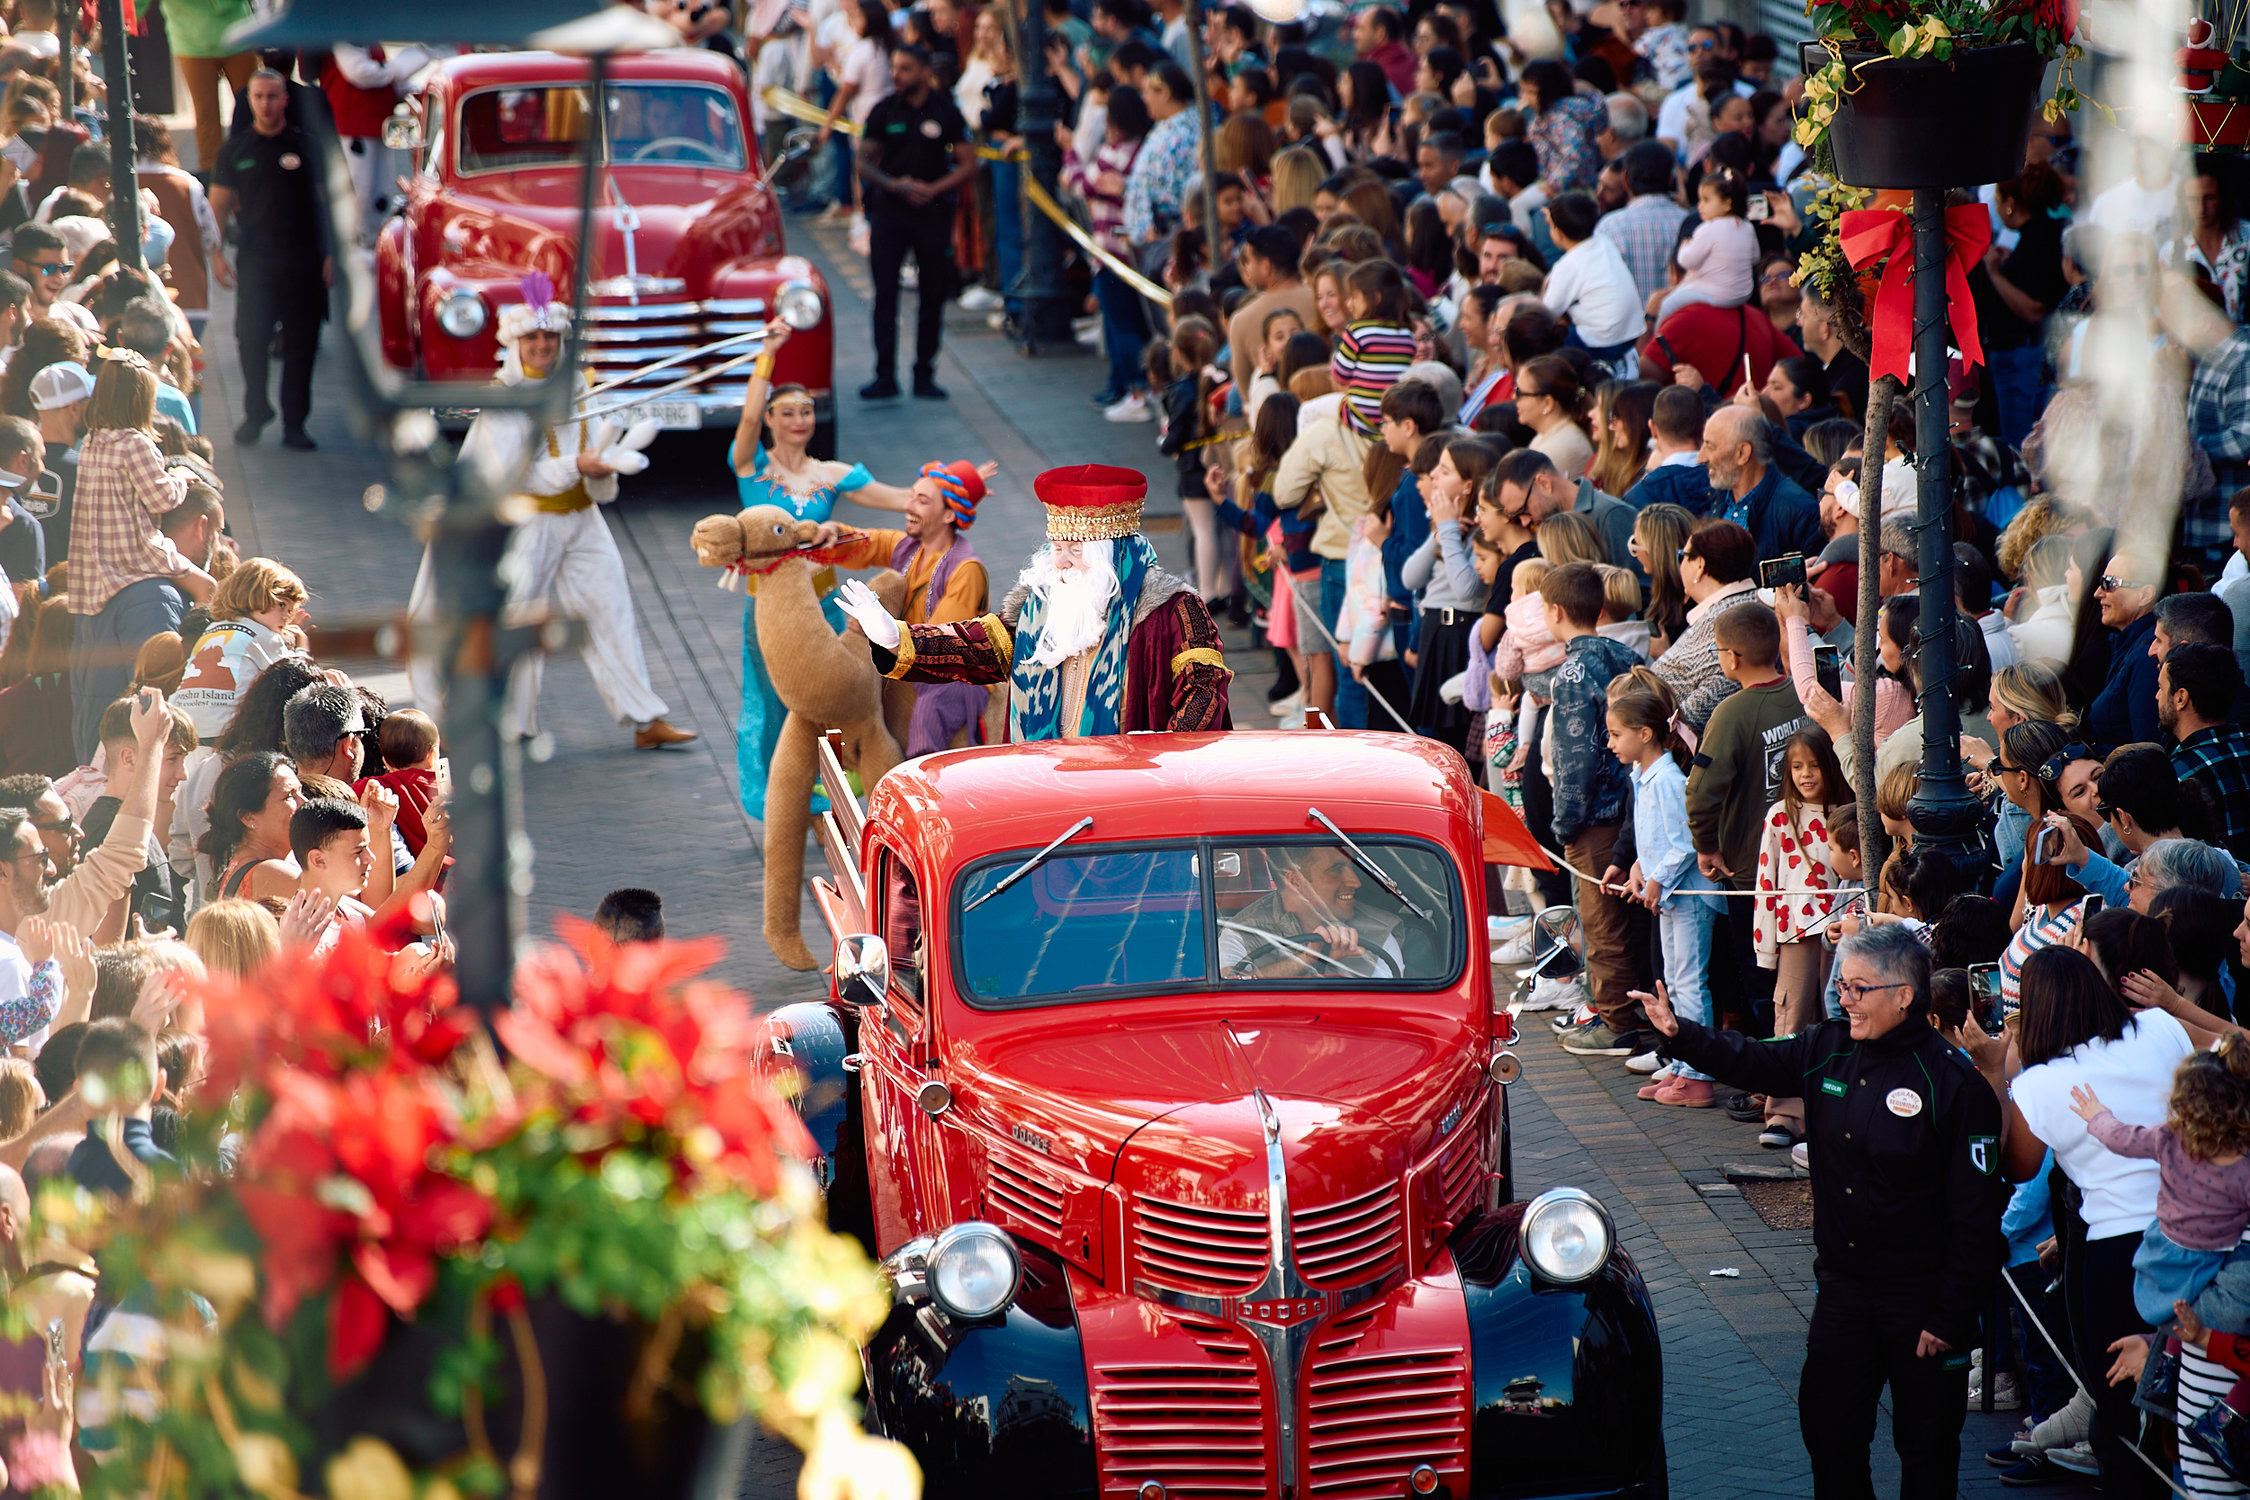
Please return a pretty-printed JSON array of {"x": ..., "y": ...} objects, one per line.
[{"x": 1091, "y": 502}]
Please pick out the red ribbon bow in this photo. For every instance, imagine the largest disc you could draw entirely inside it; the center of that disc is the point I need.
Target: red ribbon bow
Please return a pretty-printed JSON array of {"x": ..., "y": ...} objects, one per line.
[{"x": 1869, "y": 235}]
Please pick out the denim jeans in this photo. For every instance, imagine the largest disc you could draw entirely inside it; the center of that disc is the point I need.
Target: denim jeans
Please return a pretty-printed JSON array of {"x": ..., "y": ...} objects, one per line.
[
  {"x": 1684, "y": 923},
  {"x": 2224, "y": 1305},
  {"x": 102, "y": 648},
  {"x": 2015, "y": 387},
  {"x": 2165, "y": 1271},
  {"x": 1124, "y": 333},
  {"x": 1007, "y": 232},
  {"x": 1351, "y": 698}
]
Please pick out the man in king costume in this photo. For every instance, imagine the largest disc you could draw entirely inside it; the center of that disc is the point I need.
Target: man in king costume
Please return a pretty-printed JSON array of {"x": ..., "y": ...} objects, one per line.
[
  {"x": 563, "y": 544},
  {"x": 1095, "y": 638}
]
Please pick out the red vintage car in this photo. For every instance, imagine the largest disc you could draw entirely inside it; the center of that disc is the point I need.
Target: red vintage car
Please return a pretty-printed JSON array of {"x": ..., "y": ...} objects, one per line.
[
  {"x": 1164, "y": 1075},
  {"x": 688, "y": 250}
]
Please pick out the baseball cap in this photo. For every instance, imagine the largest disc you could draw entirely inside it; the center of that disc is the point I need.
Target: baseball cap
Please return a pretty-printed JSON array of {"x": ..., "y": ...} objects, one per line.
[{"x": 60, "y": 385}]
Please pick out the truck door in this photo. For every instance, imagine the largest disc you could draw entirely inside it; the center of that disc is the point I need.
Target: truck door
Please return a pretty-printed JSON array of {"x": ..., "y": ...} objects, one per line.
[{"x": 905, "y": 1167}]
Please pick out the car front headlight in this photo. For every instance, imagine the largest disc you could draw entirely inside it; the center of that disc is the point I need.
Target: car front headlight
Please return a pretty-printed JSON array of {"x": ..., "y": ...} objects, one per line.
[
  {"x": 1566, "y": 1234},
  {"x": 974, "y": 1270},
  {"x": 799, "y": 305},
  {"x": 461, "y": 313}
]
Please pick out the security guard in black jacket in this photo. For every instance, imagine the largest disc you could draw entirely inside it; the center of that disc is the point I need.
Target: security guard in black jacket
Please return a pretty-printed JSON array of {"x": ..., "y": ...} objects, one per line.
[{"x": 1903, "y": 1133}]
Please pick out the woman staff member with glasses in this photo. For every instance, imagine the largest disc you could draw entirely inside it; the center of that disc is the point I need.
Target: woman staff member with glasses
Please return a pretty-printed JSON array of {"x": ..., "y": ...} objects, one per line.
[{"x": 1906, "y": 1207}]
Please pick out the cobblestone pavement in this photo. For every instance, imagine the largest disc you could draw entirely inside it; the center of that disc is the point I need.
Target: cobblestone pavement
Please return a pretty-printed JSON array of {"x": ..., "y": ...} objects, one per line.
[{"x": 601, "y": 815}]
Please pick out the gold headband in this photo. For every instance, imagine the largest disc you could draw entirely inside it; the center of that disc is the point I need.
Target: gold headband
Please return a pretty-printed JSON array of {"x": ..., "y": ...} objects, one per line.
[
  {"x": 1093, "y": 523},
  {"x": 787, "y": 403}
]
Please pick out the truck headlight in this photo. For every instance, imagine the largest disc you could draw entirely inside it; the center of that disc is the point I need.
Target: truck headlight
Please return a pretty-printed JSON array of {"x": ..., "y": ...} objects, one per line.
[
  {"x": 799, "y": 305},
  {"x": 1566, "y": 1234},
  {"x": 461, "y": 313},
  {"x": 974, "y": 1270}
]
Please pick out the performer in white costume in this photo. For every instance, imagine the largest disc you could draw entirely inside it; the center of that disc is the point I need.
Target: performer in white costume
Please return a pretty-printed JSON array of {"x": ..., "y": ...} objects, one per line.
[{"x": 564, "y": 545}]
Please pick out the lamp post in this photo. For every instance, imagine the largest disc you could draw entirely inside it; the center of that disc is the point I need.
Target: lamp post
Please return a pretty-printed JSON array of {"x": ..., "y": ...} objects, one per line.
[
  {"x": 1944, "y": 812},
  {"x": 1039, "y": 107},
  {"x": 124, "y": 182}
]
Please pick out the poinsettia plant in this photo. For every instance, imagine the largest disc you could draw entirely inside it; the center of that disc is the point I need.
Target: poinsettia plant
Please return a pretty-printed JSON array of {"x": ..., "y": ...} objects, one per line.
[
  {"x": 1850, "y": 30},
  {"x": 361, "y": 1159}
]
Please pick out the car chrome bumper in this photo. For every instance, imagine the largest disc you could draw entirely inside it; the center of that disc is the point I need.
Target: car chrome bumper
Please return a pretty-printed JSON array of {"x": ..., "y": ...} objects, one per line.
[{"x": 718, "y": 409}]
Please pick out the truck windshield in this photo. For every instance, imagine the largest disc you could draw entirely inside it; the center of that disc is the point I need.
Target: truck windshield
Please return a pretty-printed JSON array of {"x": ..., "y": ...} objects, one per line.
[
  {"x": 661, "y": 124},
  {"x": 1090, "y": 924}
]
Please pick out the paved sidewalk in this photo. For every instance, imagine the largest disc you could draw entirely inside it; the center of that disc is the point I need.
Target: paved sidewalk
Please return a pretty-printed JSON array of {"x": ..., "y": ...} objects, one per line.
[{"x": 601, "y": 815}]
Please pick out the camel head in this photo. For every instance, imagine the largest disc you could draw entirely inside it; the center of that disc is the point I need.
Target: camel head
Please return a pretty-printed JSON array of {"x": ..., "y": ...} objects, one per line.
[{"x": 752, "y": 536}]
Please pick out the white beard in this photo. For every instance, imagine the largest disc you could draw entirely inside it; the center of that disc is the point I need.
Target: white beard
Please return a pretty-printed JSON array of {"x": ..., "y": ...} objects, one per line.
[{"x": 1076, "y": 603}]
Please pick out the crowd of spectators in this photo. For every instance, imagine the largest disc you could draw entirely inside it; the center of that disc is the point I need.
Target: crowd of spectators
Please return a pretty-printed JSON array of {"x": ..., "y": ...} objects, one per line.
[{"x": 1497, "y": 411}]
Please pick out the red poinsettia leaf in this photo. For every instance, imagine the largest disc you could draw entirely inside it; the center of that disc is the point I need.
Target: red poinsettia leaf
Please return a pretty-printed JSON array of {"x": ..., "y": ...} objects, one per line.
[
  {"x": 401, "y": 1275},
  {"x": 357, "y": 1321}
]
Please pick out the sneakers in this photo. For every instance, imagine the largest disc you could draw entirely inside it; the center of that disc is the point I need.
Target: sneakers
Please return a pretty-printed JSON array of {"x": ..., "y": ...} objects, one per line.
[
  {"x": 1560, "y": 994},
  {"x": 1749, "y": 1109},
  {"x": 926, "y": 389},
  {"x": 1597, "y": 1040},
  {"x": 980, "y": 299},
  {"x": 2078, "y": 1458},
  {"x": 2005, "y": 1396},
  {"x": 1643, "y": 1062},
  {"x": 1687, "y": 1093},
  {"x": 1134, "y": 408},
  {"x": 1497, "y": 927},
  {"x": 1518, "y": 946},
  {"x": 879, "y": 390},
  {"x": 1800, "y": 1156},
  {"x": 1282, "y": 708},
  {"x": 2021, "y": 1473},
  {"x": 1580, "y": 1016},
  {"x": 1779, "y": 1135}
]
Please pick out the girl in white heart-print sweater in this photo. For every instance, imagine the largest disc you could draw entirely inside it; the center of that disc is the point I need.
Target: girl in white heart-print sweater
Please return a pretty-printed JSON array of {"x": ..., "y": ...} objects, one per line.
[{"x": 1793, "y": 858}]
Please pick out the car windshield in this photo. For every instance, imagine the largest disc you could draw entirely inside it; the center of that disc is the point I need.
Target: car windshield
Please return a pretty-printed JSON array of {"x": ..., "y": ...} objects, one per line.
[
  {"x": 663, "y": 124},
  {"x": 1096, "y": 923}
]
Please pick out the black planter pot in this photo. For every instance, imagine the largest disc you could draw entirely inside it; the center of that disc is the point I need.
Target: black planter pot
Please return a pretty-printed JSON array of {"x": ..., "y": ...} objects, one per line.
[
  {"x": 597, "y": 1446},
  {"x": 1919, "y": 123}
]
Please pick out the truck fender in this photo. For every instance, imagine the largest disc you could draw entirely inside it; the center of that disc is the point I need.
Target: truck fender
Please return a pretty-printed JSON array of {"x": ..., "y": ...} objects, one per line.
[{"x": 1569, "y": 1379}]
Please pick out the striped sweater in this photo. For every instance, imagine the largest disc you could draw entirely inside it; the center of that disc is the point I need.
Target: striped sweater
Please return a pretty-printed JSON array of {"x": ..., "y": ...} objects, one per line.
[{"x": 1370, "y": 357}]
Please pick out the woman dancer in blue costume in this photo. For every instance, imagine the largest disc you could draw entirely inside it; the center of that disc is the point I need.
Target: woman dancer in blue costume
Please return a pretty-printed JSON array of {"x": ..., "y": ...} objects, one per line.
[{"x": 771, "y": 467}]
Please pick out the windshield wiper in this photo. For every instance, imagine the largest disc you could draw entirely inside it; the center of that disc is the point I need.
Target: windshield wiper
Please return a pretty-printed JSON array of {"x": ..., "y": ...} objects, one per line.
[
  {"x": 1360, "y": 857},
  {"x": 1036, "y": 861}
]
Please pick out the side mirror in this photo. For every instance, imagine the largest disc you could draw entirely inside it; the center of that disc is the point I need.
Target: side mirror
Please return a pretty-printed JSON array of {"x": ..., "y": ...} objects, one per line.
[
  {"x": 402, "y": 132},
  {"x": 863, "y": 971}
]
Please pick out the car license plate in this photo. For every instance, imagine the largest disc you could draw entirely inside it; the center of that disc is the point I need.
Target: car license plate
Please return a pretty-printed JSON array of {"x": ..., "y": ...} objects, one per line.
[{"x": 672, "y": 416}]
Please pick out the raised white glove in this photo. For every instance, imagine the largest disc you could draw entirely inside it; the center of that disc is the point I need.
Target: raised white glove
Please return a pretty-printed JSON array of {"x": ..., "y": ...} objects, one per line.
[
  {"x": 858, "y": 600},
  {"x": 641, "y": 434},
  {"x": 624, "y": 460}
]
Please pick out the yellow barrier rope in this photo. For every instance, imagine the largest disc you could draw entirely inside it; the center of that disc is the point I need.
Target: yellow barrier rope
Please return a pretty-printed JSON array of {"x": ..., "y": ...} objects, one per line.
[{"x": 798, "y": 107}]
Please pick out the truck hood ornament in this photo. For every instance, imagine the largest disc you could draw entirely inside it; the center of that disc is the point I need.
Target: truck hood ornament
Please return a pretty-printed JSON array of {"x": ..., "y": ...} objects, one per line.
[{"x": 1283, "y": 1312}]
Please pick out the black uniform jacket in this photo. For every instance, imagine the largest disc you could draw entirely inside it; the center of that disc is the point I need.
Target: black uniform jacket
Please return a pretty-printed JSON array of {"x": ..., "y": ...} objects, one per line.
[{"x": 1905, "y": 1145}]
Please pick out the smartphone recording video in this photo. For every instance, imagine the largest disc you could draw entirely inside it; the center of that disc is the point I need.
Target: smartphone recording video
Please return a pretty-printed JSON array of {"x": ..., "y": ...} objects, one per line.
[{"x": 1785, "y": 571}]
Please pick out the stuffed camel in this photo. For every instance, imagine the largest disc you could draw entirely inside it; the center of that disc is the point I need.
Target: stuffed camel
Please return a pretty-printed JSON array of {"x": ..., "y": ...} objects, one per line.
[{"x": 825, "y": 679}]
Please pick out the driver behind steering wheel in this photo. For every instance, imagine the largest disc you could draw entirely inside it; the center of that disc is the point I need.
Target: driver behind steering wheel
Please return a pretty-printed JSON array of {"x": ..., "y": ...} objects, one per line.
[{"x": 1308, "y": 927}]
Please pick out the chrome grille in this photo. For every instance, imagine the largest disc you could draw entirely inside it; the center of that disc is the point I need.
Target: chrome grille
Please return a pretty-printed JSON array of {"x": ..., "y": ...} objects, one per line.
[
  {"x": 1197, "y": 1429},
  {"x": 1028, "y": 1198},
  {"x": 1371, "y": 1417},
  {"x": 1208, "y": 1251},
  {"x": 623, "y": 336},
  {"x": 1460, "y": 1165},
  {"x": 1351, "y": 1242}
]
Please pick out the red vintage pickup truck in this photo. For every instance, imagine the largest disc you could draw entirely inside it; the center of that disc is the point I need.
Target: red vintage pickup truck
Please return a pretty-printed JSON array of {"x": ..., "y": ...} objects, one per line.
[
  {"x": 688, "y": 248},
  {"x": 1163, "y": 1073}
]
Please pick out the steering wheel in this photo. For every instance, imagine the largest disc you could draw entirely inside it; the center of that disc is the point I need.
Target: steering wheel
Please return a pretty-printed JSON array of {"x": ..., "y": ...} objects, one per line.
[
  {"x": 711, "y": 153},
  {"x": 1300, "y": 943}
]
